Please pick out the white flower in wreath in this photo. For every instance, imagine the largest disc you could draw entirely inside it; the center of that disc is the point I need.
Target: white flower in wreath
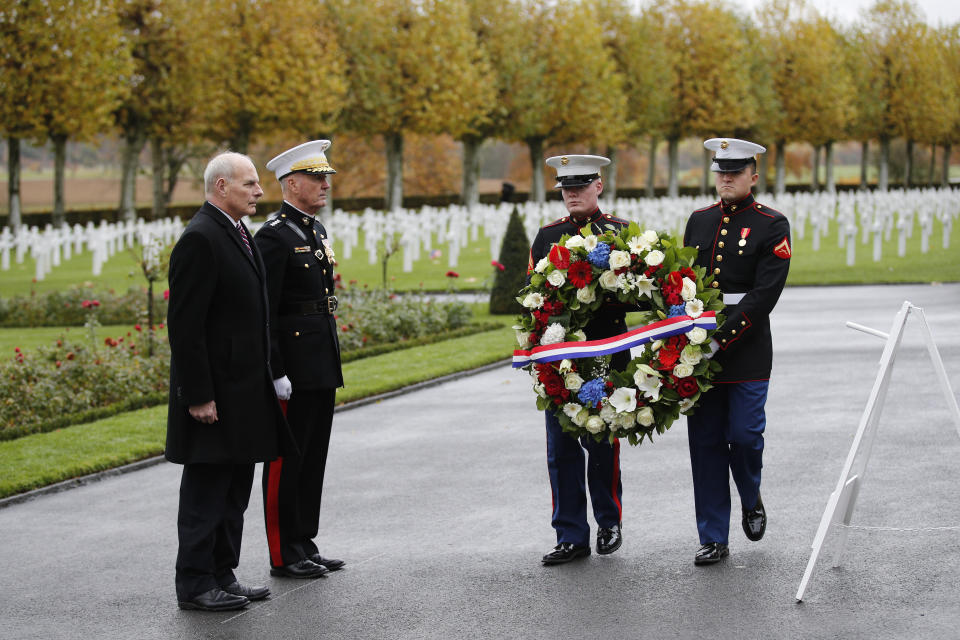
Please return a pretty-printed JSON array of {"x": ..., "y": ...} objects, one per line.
[
  {"x": 571, "y": 409},
  {"x": 645, "y": 416},
  {"x": 523, "y": 338},
  {"x": 607, "y": 412},
  {"x": 574, "y": 242},
  {"x": 587, "y": 294},
  {"x": 694, "y": 308},
  {"x": 619, "y": 259},
  {"x": 534, "y": 300},
  {"x": 624, "y": 399},
  {"x": 649, "y": 384},
  {"x": 581, "y": 418},
  {"x": 637, "y": 245},
  {"x": 683, "y": 370},
  {"x": 578, "y": 336},
  {"x": 594, "y": 424},
  {"x": 625, "y": 420},
  {"x": 697, "y": 335},
  {"x": 691, "y": 355},
  {"x": 590, "y": 242},
  {"x": 650, "y": 236},
  {"x": 688, "y": 290},
  {"x": 566, "y": 366},
  {"x": 644, "y": 286},
  {"x": 542, "y": 265},
  {"x": 553, "y": 334},
  {"x": 654, "y": 258},
  {"x": 625, "y": 282},
  {"x": 540, "y": 389},
  {"x": 608, "y": 280},
  {"x": 556, "y": 278},
  {"x": 686, "y": 404},
  {"x": 573, "y": 382}
]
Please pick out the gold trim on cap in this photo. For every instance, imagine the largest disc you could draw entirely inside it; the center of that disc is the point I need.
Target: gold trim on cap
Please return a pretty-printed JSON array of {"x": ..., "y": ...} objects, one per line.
[{"x": 313, "y": 165}]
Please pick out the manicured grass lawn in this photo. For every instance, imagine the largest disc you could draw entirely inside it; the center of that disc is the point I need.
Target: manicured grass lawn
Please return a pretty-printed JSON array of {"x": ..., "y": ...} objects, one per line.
[{"x": 41, "y": 459}]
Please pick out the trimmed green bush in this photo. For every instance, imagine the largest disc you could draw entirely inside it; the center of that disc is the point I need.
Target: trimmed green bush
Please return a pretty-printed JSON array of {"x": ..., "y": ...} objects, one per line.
[
  {"x": 514, "y": 255},
  {"x": 73, "y": 306}
]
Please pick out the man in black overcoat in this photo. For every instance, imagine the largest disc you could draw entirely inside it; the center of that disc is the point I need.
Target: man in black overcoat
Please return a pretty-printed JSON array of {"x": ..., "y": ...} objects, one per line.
[
  {"x": 223, "y": 414},
  {"x": 305, "y": 357}
]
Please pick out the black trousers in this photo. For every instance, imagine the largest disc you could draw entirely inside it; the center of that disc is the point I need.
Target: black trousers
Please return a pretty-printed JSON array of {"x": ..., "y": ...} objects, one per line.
[
  {"x": 293, "y": 486},
  {"x": 213, "y": 498}
]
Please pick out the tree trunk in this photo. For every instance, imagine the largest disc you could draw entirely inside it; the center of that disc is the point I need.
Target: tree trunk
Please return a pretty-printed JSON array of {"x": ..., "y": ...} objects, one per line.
[
  {"x": 158, "y": 167},
  {"x": 175, "y": 162},
  {"x": 932, "y": 168},
  {"x": 133, "y": 141},
  {"x": 610, "y": 176},
  {"x": 470, "y": 193},
  {"x": 537, "y": 192},
  {"x": 673, "y": 145},
  {"x": 59, "y": 162},
  {"x": 781, "y": 169},
  {"x": 705, "y": 176},
  {"x": 762, "y": 170},
  {"x": 652, "y": 167},
  {"x": 864, "y": 164},
  {"x": 828, "y": 160},
  {"x": 882, "y": 179},
  {"x": 815, "y": 170},
  {"x": 13, "y": 182},
  {"x": 908, "y": 166},
  {"x": 945, "y": 170},
  {"x": 240, "y": 141},
  {"x": 394, "y": 195}
]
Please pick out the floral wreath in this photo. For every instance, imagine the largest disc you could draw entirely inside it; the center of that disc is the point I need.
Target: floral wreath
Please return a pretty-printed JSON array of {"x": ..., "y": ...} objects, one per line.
[{"x": 572, "y": 376}]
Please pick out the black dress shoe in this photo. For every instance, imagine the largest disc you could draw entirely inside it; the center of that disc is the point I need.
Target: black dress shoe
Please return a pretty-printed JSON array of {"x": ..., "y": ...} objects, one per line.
[
  {"x": 711, "y": 552},
  {"x": 215, "y": 600},
  {"x": 250, "y": 593},
  {"x": 755, "y": 521},
  {"x": 329, "y": 563},
  {"x": 302, "y": 569},
  {"x": 608, "y": 540},
  {"x": 565, "y": 552}
]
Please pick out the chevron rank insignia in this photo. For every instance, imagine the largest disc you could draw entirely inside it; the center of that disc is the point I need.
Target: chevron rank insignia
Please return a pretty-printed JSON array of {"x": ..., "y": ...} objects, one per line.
[{"x": 782, "y": 250}]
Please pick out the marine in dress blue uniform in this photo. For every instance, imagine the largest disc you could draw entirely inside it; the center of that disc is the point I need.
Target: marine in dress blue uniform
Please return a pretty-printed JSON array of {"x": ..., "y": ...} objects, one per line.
[
  {"x": 746, "y": 247},
  {"x": 578, "y": 177},
  {"x": 304, "y": 354}
]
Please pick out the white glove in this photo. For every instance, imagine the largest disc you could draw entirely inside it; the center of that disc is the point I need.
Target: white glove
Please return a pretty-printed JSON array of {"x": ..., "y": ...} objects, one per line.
[
  {"x": 283, "y": 388},
  {"x": 714, "y": 347}
]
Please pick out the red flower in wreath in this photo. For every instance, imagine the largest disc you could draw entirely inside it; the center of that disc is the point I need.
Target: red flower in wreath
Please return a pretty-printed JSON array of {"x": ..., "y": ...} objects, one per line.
[
  {"x": 668, "y": 357},
  {"x": 580, "y": 274},
  {"x": 559, "y": 256},
  {"x": 687, "y": 387}
]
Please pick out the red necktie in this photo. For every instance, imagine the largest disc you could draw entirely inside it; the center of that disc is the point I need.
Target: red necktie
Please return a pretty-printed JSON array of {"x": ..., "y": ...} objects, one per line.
[{"x": 243, "y": 235}]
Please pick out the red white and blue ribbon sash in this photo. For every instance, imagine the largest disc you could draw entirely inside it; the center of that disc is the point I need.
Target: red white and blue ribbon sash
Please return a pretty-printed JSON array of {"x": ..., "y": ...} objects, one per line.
[{"x": 605, "y": 346}]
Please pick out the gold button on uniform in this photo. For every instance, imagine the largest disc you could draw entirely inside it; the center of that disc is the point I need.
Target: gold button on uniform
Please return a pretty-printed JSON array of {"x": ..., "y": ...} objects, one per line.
[
  {"x": 719, "y": 258},
  {"x": 743, "y": 323},
  {"x": 726, "y": 219},
  {"x": 714, "y": 284},
  {"x": 720, "y": 244},
  {"x": 325, "y": 290},
  {"x": 296, "y": 334},
  {"x": 717, "y": 270},
  {"x": 723, "y": 232},
  {"x": 733, "y": 332}
]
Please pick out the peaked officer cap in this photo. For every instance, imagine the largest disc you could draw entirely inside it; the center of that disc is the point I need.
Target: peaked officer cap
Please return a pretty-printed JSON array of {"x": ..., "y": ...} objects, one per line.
[
  {"x": 731, "y": 154},
  {"x": 307, "y": 157},
  {"x": 576, "y": 171}
]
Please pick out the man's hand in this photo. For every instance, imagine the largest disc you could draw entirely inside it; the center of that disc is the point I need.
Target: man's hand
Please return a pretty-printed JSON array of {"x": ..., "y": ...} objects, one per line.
[
  {"x": 283, "y": 388},
  {"x": 205, "y": 413}
]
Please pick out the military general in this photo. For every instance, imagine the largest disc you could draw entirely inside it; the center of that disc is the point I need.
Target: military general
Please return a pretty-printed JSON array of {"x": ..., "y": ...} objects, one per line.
[
  {"x": 304, "y": 354},
  {"x": 746, "y": 247}
]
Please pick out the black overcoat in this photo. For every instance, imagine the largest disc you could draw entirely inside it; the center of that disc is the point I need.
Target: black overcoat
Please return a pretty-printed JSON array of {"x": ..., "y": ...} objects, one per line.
[{"x": 219, "y": 344}]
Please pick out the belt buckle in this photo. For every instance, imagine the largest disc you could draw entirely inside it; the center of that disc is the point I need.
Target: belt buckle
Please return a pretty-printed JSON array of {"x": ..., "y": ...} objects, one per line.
[{"x": 332, "y": 304}]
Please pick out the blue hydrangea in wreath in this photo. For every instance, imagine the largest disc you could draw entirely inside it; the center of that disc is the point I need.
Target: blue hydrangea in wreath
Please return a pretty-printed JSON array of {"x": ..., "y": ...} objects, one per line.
[{"x": 644, "y": 269}]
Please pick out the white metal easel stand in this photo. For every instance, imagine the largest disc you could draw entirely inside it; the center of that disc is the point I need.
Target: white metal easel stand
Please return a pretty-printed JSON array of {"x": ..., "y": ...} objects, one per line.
[{"x": 844, "y": 498}]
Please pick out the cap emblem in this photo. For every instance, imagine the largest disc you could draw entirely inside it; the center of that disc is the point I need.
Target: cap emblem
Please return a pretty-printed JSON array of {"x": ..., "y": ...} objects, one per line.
[
  {"x": 724, "y": 144},
  {"x": 564, "y": 160}
]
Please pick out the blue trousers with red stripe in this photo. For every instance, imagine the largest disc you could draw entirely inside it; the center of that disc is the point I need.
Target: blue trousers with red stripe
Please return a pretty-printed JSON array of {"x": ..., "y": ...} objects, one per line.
[
  {"x": 565, "y": 460},
  {"x": 726, "y": 438}
]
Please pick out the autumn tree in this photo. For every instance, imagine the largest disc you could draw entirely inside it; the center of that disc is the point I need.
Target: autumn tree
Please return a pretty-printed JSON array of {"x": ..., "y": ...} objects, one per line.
[
  {"x": 950, "y": 37},
  {"x": 571, "y": 91},
  {"x": 275, "y": 68},
  {"x": 812, "y": 91},
  {"x": 413, "y": 67},
  {"x": 711, "y": 89},
  {"x": 639, "y": 47}
]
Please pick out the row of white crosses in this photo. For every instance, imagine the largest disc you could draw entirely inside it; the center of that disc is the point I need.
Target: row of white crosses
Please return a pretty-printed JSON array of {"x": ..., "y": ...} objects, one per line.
[
  {"x": 873, "y": 216},
  {"x": 50, "y": 246}
]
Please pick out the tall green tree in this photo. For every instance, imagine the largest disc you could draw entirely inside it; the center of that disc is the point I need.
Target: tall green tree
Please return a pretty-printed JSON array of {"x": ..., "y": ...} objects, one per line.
[
  {"x": 413, "y": 67},
  {"x": 711, "y": 91},
  {"x": 950, "y": 36}
]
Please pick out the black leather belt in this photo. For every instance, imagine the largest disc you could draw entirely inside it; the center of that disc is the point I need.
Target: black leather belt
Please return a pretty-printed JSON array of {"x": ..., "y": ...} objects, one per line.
[{"x": 327, "y": 306}]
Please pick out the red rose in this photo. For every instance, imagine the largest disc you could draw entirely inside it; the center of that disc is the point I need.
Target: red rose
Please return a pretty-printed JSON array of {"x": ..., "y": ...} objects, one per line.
[
  {"x": 498, "y": 265},
  {"x": 687, "y": 387},
  {"x": 559, "y": 256},
  {"x": 687, "y": 272},
  {"x": 668, "y": 357},
  {"x": 674, "y": 298},
  {"x": 580, "y": 273},
  {"x": 554, "y": 386}
]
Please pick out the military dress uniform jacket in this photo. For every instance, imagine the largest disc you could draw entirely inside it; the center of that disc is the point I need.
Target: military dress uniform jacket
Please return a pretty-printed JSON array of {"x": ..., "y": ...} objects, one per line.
[
  {"x": 300, "y": 287},
  {"x": 610, "y": 319},
  {"x": 219, "y": 344},
  {"x": 746, "y": 247}
]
